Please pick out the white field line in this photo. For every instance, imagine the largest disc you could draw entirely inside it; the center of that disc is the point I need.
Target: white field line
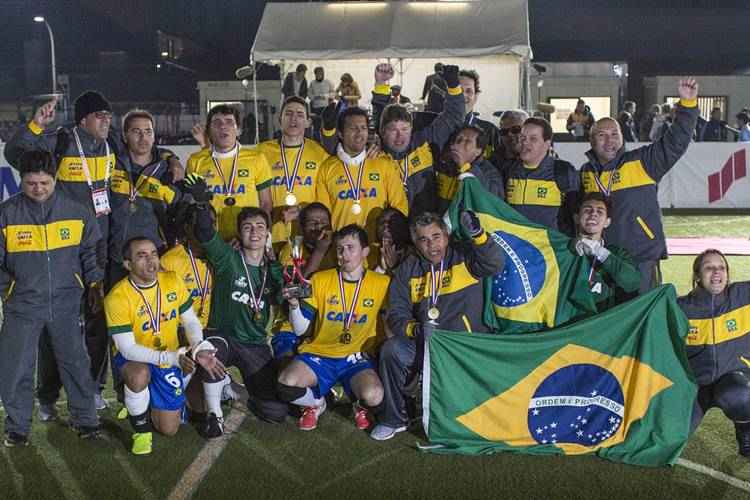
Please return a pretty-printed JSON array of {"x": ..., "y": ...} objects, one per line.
[
  {"x": 61, "y": 472},
  {"x": 205, "y": 459},
  {"x": 258, "y": 449},
  {"x": 715, "y": 474},
  {"x": 135, "y": 478}
]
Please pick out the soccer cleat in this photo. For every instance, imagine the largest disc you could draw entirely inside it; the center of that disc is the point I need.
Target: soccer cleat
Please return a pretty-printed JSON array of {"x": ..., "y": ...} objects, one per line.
[
  {"x": 14, "y": 439},
  {"x": 100, "y": 402},
  {"x": 123, "y": 413},
  {"x": 47, "y": 412},
  {"x": 88, "y": 432},
  {"x": 361, "y": 417},
  {"x": 309, "y": 419},
  {"x": 742, "y": 432},
  {"x": 214, "y": 427},
  {"x": 383, "y": 432},
  {"x": 142, "y": 443}
]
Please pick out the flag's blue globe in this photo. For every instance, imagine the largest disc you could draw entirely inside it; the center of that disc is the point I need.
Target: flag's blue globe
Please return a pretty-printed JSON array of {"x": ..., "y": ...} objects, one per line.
[
  {"x": 522, "y": 278},
  {"x": 579, "y": 404}
]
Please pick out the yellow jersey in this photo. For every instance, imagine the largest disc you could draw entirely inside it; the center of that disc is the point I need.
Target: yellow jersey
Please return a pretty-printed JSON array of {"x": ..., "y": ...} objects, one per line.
[
  {"x": 252, "y": 174},
  {"x": 313, "y": 156},
  {"x": 381, "y": 188},
  {"x": 126, "y": 311},
  {"x": 177, "y": 260},
  {"x": 326, "y": 308}
]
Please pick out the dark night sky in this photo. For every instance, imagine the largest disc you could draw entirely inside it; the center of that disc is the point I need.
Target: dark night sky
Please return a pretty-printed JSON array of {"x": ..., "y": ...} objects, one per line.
[{"x": 654, "y": 37}]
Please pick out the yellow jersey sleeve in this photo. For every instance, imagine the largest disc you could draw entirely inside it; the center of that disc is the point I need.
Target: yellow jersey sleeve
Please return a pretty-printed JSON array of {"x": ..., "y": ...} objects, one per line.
[{"x": 118, "y": 311}]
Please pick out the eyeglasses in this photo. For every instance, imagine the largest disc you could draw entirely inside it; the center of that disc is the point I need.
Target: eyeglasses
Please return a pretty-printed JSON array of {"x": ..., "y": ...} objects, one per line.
[
  {"x": 515, "y": 130},
  {"x": 103, "y": 115}
]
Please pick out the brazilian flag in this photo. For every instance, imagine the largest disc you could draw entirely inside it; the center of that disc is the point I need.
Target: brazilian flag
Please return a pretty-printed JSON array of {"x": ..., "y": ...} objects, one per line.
[
  {"x": 616, "y": 384},
  {"x": 544, "y": 283}
]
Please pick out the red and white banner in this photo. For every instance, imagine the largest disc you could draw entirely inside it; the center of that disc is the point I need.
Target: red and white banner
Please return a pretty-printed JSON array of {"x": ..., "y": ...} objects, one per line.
[{"x": 710, "y": 175}]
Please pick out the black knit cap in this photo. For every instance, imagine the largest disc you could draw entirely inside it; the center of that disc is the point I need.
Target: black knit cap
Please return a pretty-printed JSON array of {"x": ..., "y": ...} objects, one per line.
[{"x": 90, "y": 102}]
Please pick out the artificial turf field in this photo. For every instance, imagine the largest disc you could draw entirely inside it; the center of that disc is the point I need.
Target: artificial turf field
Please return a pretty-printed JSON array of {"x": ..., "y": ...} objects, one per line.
[{"x": 338, "y": 461}]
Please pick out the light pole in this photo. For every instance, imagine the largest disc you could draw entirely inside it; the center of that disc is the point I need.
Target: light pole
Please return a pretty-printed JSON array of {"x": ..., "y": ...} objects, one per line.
[{"x": 40, "y": 19}]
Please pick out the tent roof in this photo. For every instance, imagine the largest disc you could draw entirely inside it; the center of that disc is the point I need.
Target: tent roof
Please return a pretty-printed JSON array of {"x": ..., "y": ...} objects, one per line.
[{"x": 379, "y": 30}]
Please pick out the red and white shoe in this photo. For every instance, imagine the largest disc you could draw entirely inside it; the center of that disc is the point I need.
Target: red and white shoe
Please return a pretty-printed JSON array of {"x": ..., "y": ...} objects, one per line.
[
  {"x": 309, "y": 419},
  {"x": 361, "y": 417}
]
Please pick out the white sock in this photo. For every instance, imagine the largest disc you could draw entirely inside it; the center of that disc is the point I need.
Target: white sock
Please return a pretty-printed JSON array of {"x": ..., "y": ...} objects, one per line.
[
  {"x": 309, "y": 399},
  {"x": 212, "y": 393},
  {"x": 137, "y": 402}
]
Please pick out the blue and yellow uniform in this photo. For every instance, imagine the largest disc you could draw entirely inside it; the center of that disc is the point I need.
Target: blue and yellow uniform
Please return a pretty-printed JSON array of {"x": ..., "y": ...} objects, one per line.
[
  {"x": 177, "y": 260},
  {"x": 313, "y": 156},
  {"x": 126, "y": 311},
  {"x": 253, "y": 175},
  {"x": 332, "y": 360}
]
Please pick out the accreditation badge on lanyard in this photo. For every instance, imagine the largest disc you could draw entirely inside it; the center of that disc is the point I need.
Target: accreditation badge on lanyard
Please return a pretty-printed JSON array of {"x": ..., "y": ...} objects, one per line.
[{"x": 99, "y": 196}]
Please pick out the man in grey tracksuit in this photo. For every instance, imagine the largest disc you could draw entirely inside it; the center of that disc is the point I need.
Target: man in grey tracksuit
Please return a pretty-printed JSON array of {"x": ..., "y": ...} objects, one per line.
[{"x": 47, "y": 261}]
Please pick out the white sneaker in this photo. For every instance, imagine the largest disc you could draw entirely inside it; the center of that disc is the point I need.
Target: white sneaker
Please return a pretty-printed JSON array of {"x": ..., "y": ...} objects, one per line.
[
  {"x": 47, "y": 412},
  {"x": 100, "y": 402},
  {"x": 227, "y": 392},
  {"x": 383, "y": 432}
]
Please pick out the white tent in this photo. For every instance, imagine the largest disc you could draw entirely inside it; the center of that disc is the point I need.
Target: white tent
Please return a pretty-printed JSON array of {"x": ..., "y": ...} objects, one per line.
[{"x": 489, "y": 36}]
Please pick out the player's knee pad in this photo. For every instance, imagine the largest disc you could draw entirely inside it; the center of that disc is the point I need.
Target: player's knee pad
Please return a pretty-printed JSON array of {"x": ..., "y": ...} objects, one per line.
[{"x": 288, "y": 393}]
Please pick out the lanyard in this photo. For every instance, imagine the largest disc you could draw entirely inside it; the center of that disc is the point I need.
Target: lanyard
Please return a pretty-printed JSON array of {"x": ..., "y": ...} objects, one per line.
[
  {"x": 349, "y": 311},
  {"x": 405, "y": 170},
  {"x": 232, "y": 175},
  {"x": 203, "y": 287},
  {"x": 154, "y": 320},
  {"x": 289, "y": 180},
  {"x": 436, "y": 283},
  {"x": 255, "y": 302},
  {"x": 356, "y": 190},
  {"x": 85, "y": 164}
]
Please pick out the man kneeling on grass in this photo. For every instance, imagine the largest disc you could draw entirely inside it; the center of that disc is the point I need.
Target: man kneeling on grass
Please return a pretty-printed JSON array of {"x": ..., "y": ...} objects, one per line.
[
  {"x": 345, "y": 306},
  {"x": 143, "y": 311}
]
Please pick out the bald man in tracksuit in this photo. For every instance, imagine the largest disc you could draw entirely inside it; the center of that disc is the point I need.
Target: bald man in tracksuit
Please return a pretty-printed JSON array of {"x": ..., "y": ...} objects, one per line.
[
  {"x": 85, "y": 155},
  {"x": 48, "y": 259}
]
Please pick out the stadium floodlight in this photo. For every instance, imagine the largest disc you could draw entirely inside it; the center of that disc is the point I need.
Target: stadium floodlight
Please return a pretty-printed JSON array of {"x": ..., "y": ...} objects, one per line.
[{"x": 40, "y": 19}]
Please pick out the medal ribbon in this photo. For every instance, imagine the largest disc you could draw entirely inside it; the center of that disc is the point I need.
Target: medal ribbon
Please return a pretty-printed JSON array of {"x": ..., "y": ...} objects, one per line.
[
  {"x": 289, "y": 181},
  {"x": 233, "y": 174},
  {"x": 435, "y": 290},
  {"x": 254, "y": 301},
  {"x": 203, "y": 286},
  {"x": 606, "y": 191},
  {"x": 154, "y": 320},
  {"x": 349, "y": 316},
  {"x": 355, "y": 190},
  {"x": 85, "y": 164},
  {"x": 135, "y": 186},
  {"x": 405, "y": 170}
]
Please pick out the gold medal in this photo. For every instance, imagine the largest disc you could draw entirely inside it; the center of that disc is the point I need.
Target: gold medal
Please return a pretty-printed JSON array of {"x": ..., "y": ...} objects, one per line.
[
  {"x": 346, "y": 338},
  {"x": 132, "y": 207},
  {"x": 433, "y": 313},
  {"x": 229, "y": 201},
  {"x": 291, "y": 199},
  {"x": 357, "y": 208},
  {"x": 157, "y": 342},
  {"x": 258, "y": 316}
]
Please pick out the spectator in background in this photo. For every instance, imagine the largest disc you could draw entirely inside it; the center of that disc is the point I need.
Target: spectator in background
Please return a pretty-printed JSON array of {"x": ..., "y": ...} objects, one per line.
[
  {"x": 661, "y": 123},
  {"x": 511, "y": 122},
  {"x": 580, "y": 121},
  {"x": 435, "y": 90},
  {"x": 396, "y": 97},
  {"x": 348, "y": 92},
  {"x": 627, "y": 122},
  {"x": 647, "y": 122},
  {"x": 295, "y": 83},
  {"x": 321, "y": 92},
  {"x": 469, "y": 80},
  {"x": 716, "y": 128},
  {"x": 743, "y": 126}
]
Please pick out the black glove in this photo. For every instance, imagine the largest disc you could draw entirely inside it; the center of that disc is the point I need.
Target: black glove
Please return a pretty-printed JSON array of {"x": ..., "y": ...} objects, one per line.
[
  {"x": 470, "y": 223},
  {"x": 450, "y": 75},
  {"x": 196, "y": 186},
  {"x": 328, "y": 116}
]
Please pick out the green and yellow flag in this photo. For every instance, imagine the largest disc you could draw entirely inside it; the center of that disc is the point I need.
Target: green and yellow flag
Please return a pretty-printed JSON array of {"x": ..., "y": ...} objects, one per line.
[
  {"x": 543, "y": 284},
  {"x": 617, "y": 384}
]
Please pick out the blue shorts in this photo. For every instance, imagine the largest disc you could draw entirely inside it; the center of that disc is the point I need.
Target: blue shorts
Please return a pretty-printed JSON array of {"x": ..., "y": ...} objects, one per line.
[
  {"x": 284, "y": 343},
  {"x": 167, "y": 386},
  {"x": 331, "y": 371}
]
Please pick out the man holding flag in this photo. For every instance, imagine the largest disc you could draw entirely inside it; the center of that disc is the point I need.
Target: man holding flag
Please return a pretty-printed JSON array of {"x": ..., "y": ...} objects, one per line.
[{"x": 440, "y": 286}]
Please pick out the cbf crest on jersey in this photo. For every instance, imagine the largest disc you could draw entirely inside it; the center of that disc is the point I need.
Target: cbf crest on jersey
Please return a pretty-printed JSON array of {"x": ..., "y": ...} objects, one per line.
[
  {"x": 535, "y": 289},
  {"x": 605, "y": 385}
]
